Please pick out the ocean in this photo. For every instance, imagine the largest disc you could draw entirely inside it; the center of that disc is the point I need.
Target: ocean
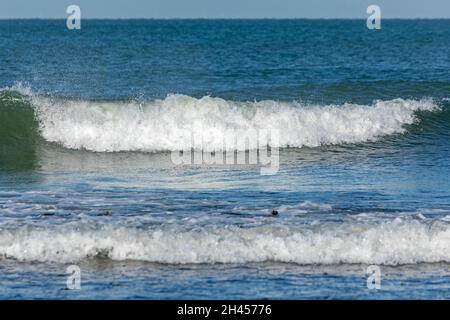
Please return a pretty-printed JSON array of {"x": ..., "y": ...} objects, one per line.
[{"x": 90, "y": 194}]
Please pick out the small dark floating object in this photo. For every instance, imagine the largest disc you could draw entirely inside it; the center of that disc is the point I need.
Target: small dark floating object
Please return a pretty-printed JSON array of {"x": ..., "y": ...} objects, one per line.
[
  {"x": 274, "y": 212},
  {"x": 48, "y": 214},
  {"x": 106, "y": 212}
]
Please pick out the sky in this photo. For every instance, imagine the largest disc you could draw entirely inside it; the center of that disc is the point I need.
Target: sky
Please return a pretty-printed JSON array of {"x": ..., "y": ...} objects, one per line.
[{"x": 224, "y": 8}]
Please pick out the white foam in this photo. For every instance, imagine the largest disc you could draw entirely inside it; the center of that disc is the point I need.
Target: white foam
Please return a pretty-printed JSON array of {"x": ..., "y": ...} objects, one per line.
[
  {"x": 389, "y": 243},
  {"x": 20, "y": 88},
  {"x": 305, "y": 207},
  {"x": 168, "y": 124}
]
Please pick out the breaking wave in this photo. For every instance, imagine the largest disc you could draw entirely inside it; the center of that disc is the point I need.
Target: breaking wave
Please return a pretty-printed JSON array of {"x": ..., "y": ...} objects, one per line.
[
  {"x": 389, "y": 243},
  {"x": 171, "y": 123}
]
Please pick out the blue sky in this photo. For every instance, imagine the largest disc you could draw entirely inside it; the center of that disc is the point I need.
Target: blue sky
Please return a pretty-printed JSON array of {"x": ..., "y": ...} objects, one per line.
[{"x": 225, "y": 8}]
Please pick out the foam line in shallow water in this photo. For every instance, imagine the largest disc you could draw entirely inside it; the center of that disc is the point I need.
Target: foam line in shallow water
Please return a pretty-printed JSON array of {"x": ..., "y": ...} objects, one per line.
[{"x": 390, "y": 243}]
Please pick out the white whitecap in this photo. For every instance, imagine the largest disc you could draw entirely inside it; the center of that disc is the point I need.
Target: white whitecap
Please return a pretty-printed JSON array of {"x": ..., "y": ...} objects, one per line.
[{"x": 170, "y": 124}]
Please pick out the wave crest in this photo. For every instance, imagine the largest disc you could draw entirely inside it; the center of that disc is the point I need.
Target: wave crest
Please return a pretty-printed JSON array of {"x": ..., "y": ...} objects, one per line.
[
  {"x": 171, "y": 123},
  {"x": 389, "y": 243}
]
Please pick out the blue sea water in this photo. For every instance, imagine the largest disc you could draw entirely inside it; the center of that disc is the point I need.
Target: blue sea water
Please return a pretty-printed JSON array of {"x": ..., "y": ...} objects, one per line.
[{"x": 89, "y": 118}]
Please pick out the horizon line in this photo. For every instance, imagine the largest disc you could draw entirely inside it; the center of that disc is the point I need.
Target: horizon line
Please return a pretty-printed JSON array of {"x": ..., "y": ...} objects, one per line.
[{"x": 233, "y": 18}]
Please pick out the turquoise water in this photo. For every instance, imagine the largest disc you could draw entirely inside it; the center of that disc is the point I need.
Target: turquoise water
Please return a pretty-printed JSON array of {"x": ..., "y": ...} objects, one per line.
[{"x": 89, "y": 118}]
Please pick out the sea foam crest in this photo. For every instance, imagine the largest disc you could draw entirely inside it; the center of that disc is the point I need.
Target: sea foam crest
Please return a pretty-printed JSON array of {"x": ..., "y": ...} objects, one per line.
[
  {"x": 389, "y": 243},
  {"x": 170, "y": 124}
]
